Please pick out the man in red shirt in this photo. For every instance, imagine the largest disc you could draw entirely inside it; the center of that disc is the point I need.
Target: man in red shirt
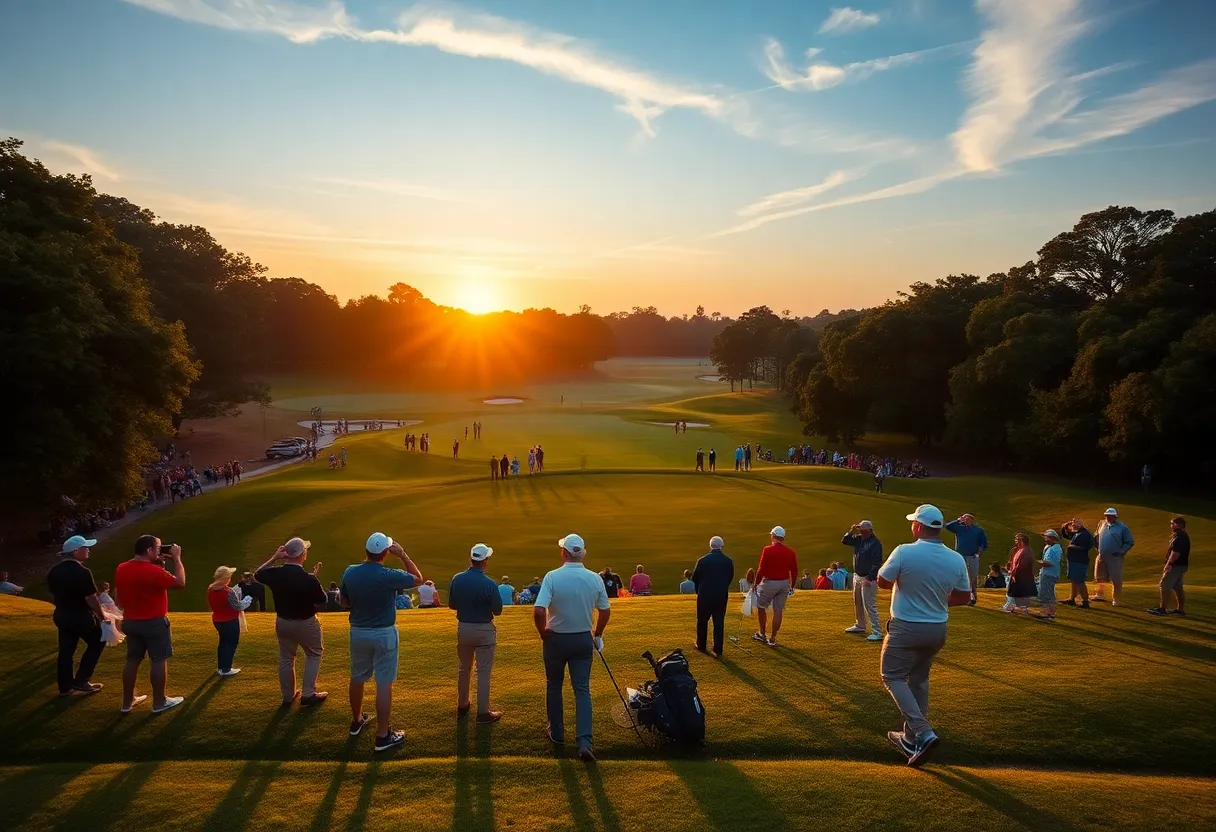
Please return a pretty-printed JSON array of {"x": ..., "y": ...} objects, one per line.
[
  {"x": 141, "y": 585},
  {"x": 775, "y": 574}
]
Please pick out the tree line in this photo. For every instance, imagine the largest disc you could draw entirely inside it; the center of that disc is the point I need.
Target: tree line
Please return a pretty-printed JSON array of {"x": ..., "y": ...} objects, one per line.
[{"x": 1095, "y": 358}]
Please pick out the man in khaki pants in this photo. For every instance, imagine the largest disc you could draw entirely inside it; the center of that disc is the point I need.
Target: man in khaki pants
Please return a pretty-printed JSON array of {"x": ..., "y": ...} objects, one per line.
[
  {"x": 297, "y": 593},
  {"x": 476, "y": 599}
]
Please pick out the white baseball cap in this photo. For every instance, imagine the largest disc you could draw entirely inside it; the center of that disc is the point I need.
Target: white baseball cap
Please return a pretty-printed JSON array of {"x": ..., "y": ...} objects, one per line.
[
  {"x": 1111, "y": 512},
  {"x": 75, "y": 542},
  {"x": 378, "y": 543},
  {"x": 298, "y": 546},
  {"x": 778, "y": 531},
  {"x": 480, "y": 552},
  {"x": 573, "y": 544},
  {"x": 928, "y": 515},
  {"x": 866, "y": 524}
]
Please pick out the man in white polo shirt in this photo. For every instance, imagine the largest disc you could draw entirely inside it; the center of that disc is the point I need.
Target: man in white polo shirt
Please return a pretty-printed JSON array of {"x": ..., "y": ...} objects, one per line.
[
  {"x": 562, "y": 615},
  {"x": 926, "y": 578}
]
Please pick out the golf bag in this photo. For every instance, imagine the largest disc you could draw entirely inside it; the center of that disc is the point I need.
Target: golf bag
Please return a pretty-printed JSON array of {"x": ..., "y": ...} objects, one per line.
[{"x": 669, "y": 704}]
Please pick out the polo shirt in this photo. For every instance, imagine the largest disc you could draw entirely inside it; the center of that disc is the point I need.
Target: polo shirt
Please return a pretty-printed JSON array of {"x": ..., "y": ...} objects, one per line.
[
  {"x": 612, "y": 584},
  {"x": 427, "y": 595},
  {"x": 687, "y": 587},
  {"x": 507, "y": 593},
  {"x": 924, "y": 574},
  {"x": 371, "y": 590},
  {"x": 568, "y": 593},
  {"x": 777, "y": 563},
  {"x": 839, "y": 578},
  {"x": 474, "y": 596},
  {"x": 296, "y": 591},
  {"x": 143, "y": 589},
  {"x": 70, "y": 583},
  {"x": 1079, "y": 544},
  {"x": 1180, "y": 543},
  {"x": 1053, "y": 555},
  {"x": 968, "y": 541},
  {"x": 639, "y": 582}
]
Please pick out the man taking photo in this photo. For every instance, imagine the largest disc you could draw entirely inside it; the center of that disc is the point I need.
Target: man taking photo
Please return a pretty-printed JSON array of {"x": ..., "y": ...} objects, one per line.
[{"x": 141, "y": 587}]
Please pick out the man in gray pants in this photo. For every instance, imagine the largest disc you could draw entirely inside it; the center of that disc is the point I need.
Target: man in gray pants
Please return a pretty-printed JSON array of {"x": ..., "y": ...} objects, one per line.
[
  {"x": 867, "y": 557},
  {"x": 926, "y": 578},
  {"x": 476, "y": 601},
  {"x": 562, "y": 615}
]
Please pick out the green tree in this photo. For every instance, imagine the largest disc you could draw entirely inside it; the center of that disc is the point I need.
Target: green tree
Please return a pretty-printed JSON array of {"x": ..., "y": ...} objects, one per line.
[{"x": 1097, "y": 256}]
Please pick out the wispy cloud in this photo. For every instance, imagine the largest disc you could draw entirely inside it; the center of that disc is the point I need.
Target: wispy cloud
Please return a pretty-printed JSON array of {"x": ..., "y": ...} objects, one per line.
[
  {"x": 78, "y": 157},
  {"x": 406, "y": 189},
  {"x": 785, "y": 200},
  {"x": 848, "y": 20},
  {"x": 820, "y": 75}
]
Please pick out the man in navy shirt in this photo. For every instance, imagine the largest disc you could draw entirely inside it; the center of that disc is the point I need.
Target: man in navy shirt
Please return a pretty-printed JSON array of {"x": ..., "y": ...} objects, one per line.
[
  {"x": 713, "y": 576},
  {"x": 971, "y": 542},
  {"x": 476, "y": 599}
]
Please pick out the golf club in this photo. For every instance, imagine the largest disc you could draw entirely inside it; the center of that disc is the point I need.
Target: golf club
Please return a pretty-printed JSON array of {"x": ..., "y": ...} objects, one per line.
[{"x": 628, "y": 710}]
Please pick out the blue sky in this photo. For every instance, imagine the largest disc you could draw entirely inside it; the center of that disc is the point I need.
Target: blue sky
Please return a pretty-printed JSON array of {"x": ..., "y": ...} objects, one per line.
[{"x": 800, "y": 154}]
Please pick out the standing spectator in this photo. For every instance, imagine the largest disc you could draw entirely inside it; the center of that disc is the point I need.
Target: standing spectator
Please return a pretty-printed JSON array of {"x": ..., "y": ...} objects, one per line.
[
  {"x": 1177, "y": 560},
  {"x": 493, "y": 467},
  {"x": 687, "y": 587},
  {"x": 226, "y": 608},
  {"x": 368, "y": 590},
  {"x": 78, "y": 616},
  {"x": 506, "y": 592},
  {"x": 971, "y": 542},
  {"x": 867, "y": 558},
  {"x": 333, "y": 598},
  {"x": 775, "y": 574},
  {"x": 926, "y": 579},
  {"x": 639, "y": 582},
  {"x": 534, "y": 589},
  {"x": 297, "y": 593},
  {"x": 1080, "y": 541},
  {"x": 739, "y": 458},
  {"x": 142, "y": 586},
  {"x": 879, "y": 476},
  {"x": 711, "y": 579},
  {"x": 700, "y": 460},
  {"x": 7, "y": 587},
  {"x": 1114, "y": 542},
  {"x": 476, "y": 600},
  {"x": 612, "y": 582},
  {"x": 250, "y": 588},
  {"x": 713, "y": 460},
  {"x": 562, "y": 616},
  {"x": 1049, "y": 572},
  {"x": 1021, "y": 575},
  {"x": 540, "y": 459}
]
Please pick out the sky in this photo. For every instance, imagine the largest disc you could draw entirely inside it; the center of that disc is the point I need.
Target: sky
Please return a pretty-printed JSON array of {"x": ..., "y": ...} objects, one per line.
[{"x": 622, "y": 153}]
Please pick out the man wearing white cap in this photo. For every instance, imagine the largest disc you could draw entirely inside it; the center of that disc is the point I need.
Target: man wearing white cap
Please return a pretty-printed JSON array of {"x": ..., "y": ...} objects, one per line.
[
  {"x": 369, "y": 591},
  {"x": 562, "y": 616},
  {"x": 296, "y": 593},
  {"x": 775, "y": 574},
  {"x": 1114, "y": 542},
  {"x": 926, "y": 578},
  {"x": 77, "y": 616},
  {"x": 476, "y": 599}
]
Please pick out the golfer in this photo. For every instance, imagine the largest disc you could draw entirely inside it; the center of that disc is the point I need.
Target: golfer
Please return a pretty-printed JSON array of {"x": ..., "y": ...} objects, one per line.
[
  {"x": 369, "y": 591},
  {"x": 971, "y": 542},
  {"x": 562, "y": 616},
  {"x": 476, "y": 599},
  {"x": 712, "y": 577},
  {"x": 926, "y": 578},
  {"x": 78, "y": 616},
  {"x": 1114, "y": 542},
  {"x": 867, "y": 557},
  {"x": 775, "y": 574}
]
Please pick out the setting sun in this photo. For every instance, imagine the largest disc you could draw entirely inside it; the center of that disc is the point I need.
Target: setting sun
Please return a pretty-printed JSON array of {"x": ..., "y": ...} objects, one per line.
[{"x": 477, "y": 293}]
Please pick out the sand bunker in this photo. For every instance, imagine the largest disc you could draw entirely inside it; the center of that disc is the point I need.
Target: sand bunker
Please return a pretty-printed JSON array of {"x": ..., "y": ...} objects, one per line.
[
  {"x": 711, "y": 379},
  {"x": 503, "y": 400}
]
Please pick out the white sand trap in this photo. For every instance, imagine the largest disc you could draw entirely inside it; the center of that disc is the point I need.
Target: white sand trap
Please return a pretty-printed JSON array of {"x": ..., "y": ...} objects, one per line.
[
  {"x": 711, "y": 379},
  {"x": 690, "y": 424},
  {"x": 503, "y": 400}
]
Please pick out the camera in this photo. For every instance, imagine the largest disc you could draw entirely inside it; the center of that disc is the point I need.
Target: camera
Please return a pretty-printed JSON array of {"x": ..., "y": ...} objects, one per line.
[{"x": 166, "y": 549}]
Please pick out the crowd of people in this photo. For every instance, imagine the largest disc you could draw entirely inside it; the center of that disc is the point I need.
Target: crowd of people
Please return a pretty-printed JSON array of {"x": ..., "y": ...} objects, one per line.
[
  {"x": 571, "y": 610},
  {"x": 881, "y": 466},
  {"x": 419, "y": 444}
]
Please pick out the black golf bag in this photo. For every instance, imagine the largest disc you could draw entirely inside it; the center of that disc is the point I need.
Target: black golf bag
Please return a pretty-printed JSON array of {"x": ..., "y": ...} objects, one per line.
[{"x": 669, "y": 704}]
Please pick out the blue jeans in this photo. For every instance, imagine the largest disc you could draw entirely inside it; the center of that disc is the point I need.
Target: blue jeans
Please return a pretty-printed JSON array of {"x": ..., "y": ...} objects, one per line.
[
  {"x": 230, "y": 635},
  {"x": 576, "y": 650}
]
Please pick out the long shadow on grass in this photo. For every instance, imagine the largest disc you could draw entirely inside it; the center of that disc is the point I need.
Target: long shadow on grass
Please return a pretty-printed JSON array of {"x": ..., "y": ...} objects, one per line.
[
  {"x": 580, "y": 810},
  {"x": 26, "y": 681},
  {"x": 358, "y": 816},
  {"x": 322, "y": 821},
  {"x": 103, "y": 807},
  {"x": 728, "y": 799},
  {"x": 999, "y": 800},
  {"x": 25, "y": 793},
  {"x": 1146, "y": 639},
  {"x": 473, "y": 807}
]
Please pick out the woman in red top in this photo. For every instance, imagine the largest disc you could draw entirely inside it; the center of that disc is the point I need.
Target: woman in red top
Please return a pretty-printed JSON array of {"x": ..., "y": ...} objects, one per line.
[
  {"x": 823, "y": 581},
  {"x": 226, "y": 608},
  {"x": 1021, "y": 575}
]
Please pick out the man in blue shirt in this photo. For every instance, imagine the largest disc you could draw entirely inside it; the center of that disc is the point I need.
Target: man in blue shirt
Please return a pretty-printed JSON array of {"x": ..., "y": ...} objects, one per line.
[
  {"x": 506, "y": 592},
  {"x": 476, "y": 600},
  {"x": 970, "y": 542},
  {"x": 369, "y": 591}
]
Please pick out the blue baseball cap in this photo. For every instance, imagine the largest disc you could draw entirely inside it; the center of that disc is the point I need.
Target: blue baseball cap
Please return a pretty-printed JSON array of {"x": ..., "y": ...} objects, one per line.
[{"x": 76, "y": 542}]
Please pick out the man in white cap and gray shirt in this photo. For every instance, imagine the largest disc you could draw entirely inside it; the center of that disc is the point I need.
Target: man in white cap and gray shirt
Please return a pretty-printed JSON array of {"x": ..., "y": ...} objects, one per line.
[
  {"x": 926, "y": 578},
  {"x": 1114, "y": 541},
  {"x": 476, "y": 599},
  {"x": 562, "y": 616},
  {"x": 867, "y": 557},
  {"x": 297, "y": 594}
]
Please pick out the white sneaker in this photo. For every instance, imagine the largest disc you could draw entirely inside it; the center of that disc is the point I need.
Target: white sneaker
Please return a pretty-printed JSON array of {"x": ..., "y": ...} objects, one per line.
[
  {"x": 171, "y": 702},
  {"x": 760, "y": 638},
  {"x": 874, "y": 637},
  {"x": 231, "y": 672},
  {"x": 134, "y": 702},
  {"x": 855, "y": 629}
]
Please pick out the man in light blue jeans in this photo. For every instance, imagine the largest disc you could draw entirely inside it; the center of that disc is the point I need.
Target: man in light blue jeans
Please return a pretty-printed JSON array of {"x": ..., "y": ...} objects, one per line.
[{"x": 562, "y": 615}]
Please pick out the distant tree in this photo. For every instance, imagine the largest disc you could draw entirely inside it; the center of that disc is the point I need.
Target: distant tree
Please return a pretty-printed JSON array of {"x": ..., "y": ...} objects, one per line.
[{"x": 1095, "y": 256}]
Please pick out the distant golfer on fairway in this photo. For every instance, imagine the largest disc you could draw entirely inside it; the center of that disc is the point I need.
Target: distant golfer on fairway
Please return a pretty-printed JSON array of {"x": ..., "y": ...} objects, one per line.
[
  {"x": 562, "y": 616},
  {"x": 775, "y": 574},
  {"x": 926, "y": 578}
]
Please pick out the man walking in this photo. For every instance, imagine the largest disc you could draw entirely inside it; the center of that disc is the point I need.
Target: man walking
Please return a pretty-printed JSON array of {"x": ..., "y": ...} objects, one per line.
[
  {"x": 297, "y": 594},
  {"x": 925, "y": 578},
  {"x": 562, "y": 616},
  {"x": 369, "y": 591},
  {"x": 493, "y": 467},
  {"x": 1114, "y": 542},
  {"x": 867, "y": 558},
  {"x": 474, "y": 596},
  {"x": 1177, "y": 560},
  {"x": 775, "y": 574},
  {"x": 700, "y": 460},
  {"x": 712, "y": 576},
  {"x": 971, "y": 542},
  {"x": 141, "y": 585},
  {"x": 77, "y": 616}
]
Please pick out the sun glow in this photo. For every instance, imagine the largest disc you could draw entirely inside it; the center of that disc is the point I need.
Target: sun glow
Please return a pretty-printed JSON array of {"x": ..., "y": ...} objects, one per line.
[{"x": 478, "y": 293}]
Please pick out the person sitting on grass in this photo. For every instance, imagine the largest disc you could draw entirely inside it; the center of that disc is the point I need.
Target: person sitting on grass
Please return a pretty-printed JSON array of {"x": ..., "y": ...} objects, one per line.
[
  {"x": 838, "y": 575},
  {"x": 1021, "y": 575},
  {"x": 639, "y": 582},
  {"x": 1049, "y": 572},
  {"x": 428, "y": 595},
  {"x": 687, "y": 587},
  {"x": 823, "y": 581},
  {"x": 402, "y": 601},
  {"x": 996, "y": 578},
  {"x": 507, "y": 592},
  {"x": 534, "y": 589},
  {"x": 807, "y": 581},
  {"x": 7, "y": 587},
  {"x": 612, "y": 582}
]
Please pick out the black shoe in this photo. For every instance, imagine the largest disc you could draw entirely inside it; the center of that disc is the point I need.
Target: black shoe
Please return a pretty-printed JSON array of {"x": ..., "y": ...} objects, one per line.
[
  {"x": 1085, "y": 606},
  {"x": 1177, "y": 612},
  {"x": 462, "y": 711},
  {"x": 549, "y": 736},
  {"x": 316, "y": 699},
  {"x": 1071, "y": 602},
  {"x": 87, "y": 687},
  {"x": 971, "y": 603},
  {"x": 585, "y": 755},
  {"x": 488, "y": 717},
  {"x": 287, "y": 702},
  {"x": 1156, "y": 611},
  {"x": 356, "y": 725},
  {"x": 390, "y": 740}
]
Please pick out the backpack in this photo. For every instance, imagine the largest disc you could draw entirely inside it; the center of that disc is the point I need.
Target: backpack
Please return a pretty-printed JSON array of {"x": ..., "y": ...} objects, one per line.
[{"x": 670, "y": 704}]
